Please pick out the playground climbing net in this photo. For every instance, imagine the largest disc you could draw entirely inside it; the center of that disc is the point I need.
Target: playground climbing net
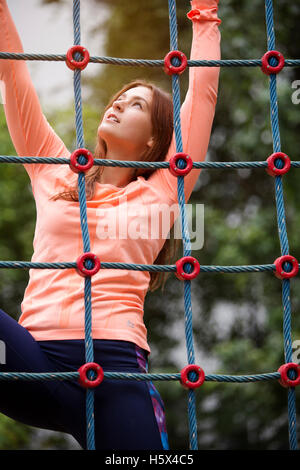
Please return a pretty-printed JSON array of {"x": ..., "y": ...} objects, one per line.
[{"x": 90, "y": 374}]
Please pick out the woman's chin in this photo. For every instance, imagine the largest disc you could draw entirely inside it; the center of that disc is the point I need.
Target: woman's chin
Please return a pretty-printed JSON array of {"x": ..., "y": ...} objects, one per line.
[{"x": 107, "y": 132}]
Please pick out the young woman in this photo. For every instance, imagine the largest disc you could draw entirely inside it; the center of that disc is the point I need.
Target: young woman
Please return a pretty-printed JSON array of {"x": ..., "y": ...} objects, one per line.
[{"x": 49, "y": 336}]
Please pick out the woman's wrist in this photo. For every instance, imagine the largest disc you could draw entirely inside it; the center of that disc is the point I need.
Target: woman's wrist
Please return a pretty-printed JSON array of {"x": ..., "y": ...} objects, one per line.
[{"x": 204, "y": 10}]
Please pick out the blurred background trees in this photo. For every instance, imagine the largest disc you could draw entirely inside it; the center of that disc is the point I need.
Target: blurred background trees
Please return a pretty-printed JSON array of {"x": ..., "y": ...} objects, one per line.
[{"x": 237, "y": 318}]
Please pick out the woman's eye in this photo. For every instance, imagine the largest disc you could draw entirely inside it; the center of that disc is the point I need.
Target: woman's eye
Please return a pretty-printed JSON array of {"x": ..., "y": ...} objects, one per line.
[{"x": 137, "y": 103}]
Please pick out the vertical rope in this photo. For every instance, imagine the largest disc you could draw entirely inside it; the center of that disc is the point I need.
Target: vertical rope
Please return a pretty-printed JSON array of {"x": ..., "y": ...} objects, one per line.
[
  {"x": 185, "y": 234},
  {"x": 281, "y": 226},
  {"x": 89, "y": 353}
]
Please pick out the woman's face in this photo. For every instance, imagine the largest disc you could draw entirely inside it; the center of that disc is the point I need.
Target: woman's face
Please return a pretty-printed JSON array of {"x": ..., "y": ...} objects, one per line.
[{"x": 126, "y": 126}]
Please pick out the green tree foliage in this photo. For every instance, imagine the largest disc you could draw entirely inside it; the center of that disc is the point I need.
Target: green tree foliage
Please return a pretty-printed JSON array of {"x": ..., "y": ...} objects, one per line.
[
  {"x": 16, "y": 225},
  {"x": 237, "y": 318}
]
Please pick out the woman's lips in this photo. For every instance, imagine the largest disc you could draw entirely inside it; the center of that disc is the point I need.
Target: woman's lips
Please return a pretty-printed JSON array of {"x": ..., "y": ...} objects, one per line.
[{"x": 112, "y": 117}]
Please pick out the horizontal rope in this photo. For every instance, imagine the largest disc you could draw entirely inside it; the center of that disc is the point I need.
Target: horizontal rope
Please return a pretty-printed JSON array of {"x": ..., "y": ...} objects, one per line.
[
  {"x": 138, "y": 267},
  {"x": 30, "y": 265},
  {"x": 50, "y": 376},
  {"x": 134, "y": 164},
  {"x": 143, "y": 62},
  {"x": 35, "y": 376}
]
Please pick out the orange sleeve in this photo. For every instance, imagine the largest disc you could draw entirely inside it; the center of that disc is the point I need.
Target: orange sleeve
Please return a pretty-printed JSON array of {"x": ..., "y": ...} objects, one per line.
[
  {"x": 29, "y": 129},
  {"x": 198, "y": 109}
]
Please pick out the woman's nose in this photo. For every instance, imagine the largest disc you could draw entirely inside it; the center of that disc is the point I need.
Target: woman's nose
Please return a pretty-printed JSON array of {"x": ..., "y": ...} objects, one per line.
[{"x": 118, "y": 105}]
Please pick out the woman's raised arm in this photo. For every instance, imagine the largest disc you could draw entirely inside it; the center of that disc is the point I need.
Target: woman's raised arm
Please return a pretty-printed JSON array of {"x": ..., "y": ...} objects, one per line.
[
  {"x": 29, "y": 129},
  {"x": 198, "y": 109}
]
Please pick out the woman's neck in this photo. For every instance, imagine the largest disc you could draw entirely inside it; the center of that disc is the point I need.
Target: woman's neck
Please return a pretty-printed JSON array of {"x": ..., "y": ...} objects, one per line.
[{"x": 117, "y": 175}]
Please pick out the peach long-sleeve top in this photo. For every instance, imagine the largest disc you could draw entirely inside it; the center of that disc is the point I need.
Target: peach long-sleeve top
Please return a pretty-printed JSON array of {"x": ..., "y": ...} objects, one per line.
[{"x": 53, "y": 304}]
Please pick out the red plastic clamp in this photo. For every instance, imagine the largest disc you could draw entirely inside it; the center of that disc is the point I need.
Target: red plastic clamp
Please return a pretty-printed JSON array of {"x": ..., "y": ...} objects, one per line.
[
  {"x": 280, "y": 273},
  {"x": 82, "y": 270},
  {"x": 184, "y": 380},
  {"x": 181, "y": 274},
  {"x": 272, "y": 169},
  {"x": 72, "y": 63},
  {"x": 266, "y": 67},
  {"x": 284, "y": 380},
  {"x": 77, "y": 167},
  {"x": 175, "y": 170},
  {"x": 83, "y": 378},
  {"x": 171, "y": 69}
]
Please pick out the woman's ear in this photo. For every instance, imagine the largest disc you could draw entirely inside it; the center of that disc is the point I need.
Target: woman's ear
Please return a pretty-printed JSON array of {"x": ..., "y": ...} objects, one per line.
[{"x": 150, "y": 142}]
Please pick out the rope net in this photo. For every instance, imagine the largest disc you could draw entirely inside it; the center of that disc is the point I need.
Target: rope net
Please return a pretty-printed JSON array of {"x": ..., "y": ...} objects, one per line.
[{"x": 285, "y": 267}]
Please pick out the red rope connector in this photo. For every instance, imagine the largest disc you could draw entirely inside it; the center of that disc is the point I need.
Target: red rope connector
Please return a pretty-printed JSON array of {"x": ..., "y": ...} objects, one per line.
[
  {"x": 272, "y": 169},
  {"x": 77, "y": 167},
  {"x": 181, "y": 274},
  {"x": 280, "y": 272},
  {"x": 175, "y": 170},
  {"x": 72, "y": 63},
  {"x": 266, "y": 67},
  {"x": 171, "y": 69},
  {"x": 284, "y": 380},
  {"x": 83, "y": 378},
  {"x": 82, "y": 269},
  {"x": 184, "y": 380}
]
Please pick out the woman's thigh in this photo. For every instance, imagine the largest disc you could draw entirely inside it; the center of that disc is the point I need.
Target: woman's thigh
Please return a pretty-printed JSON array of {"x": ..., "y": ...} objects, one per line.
[
  {"x": 124, "y": 416},
  {"x": 31, "y": 402},
  {"x": 127, "y": 421},
  {"x": 127, "y": 412}
]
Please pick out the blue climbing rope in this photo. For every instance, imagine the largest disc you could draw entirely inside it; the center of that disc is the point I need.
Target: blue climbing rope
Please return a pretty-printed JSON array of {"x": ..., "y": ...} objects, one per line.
[
  {"x": 89, "y": 350},
  {"x": 185, "y": 233},
  {"x": 284, "y": 244}
]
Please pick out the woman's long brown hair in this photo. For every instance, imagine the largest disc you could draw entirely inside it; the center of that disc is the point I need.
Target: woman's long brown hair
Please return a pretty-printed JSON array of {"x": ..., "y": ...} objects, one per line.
[{"x": 162, "y": 129}]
